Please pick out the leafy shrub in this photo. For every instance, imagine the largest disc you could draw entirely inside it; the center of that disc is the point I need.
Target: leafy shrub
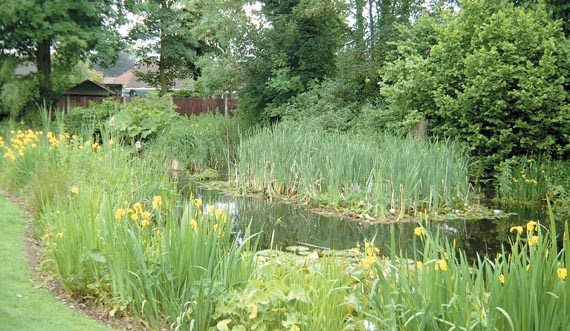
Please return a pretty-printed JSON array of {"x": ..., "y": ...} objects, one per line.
[
  {"x": 493, "y": 74},
  {"x": 324, "y": 106},
  {"x": 93, "y": 118},
  {"x": 143, "y": 118}
]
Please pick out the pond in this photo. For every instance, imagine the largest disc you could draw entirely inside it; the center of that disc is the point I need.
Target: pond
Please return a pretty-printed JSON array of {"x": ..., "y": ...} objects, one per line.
[{"x": 281, "y": 225}]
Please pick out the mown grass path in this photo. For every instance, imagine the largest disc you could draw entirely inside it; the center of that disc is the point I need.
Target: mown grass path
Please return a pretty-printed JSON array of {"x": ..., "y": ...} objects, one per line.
[{"x": 24, "y": 306}]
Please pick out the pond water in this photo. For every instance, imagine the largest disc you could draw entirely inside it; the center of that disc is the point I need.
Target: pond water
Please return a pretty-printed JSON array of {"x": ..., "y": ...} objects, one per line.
[{"x": 281, "y": 225}]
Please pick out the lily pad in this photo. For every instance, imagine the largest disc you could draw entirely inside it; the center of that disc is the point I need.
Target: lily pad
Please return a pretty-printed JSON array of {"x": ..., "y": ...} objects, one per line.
[{"x": 297, "y": 249}]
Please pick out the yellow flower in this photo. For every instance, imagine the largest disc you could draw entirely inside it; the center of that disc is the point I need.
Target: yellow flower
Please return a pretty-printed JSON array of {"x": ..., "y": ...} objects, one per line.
[
  {"x": 138, "y": 207},
  {"x": 502, "y": 278},
  {"x": 75, "y": 190},
  {"x": 518, "y": 229},
  {"x": 120, "y": 213},
  {"x": 156, "y": 202},
  {"x": 368, "y": 250},
  {"x": 145, "y": 214},
  {"x": 368, "y": 261},
  {"x": 145, "y": 223},
  {"x": 533, "y": 241},
  {"x": 60, "y": 235},
  {"x": 420, "y": 264},
  {"x": 134, "y": 216},
  {"x": 528, "y": 267},
  {"x": 531, "y": 226},
  {"x": 219, "y": 213},
  {"x": 198, "y": 202},
  {"x": 211, "y": 209},
  {"x": 420, "y": 231},
  {"x": 193, "y": 223},
  {"x": 253, "y": 312},
  {"x": 562, "y": 273},
  {"x": 441, "y": 265}
]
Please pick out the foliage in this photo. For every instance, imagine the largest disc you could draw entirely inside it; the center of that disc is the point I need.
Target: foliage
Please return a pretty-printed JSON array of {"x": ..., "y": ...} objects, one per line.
[
  {"x": 438, "y": 289},
  {"x": 21, "y": 290},
  {"x": 184, "y": 94},
  {"x": 91, "y": 120},
  {"x": 138, "y": 251},
  {"x": 229, "y": 31},
  {"x": 143, "y": 119},
  {"x": 198, "y": 143},
  {"x": 354, "y": 174},
  {"x": 493, "y": 75},
  {"x": 169, "y": 261},
  {"x": 73, "y": 30},
  {"x": 165, "y": 43},
  {"x": 325, "y": 106},
  {"x": 294, "y": 51},
  {"x": 525, "y": 179}
]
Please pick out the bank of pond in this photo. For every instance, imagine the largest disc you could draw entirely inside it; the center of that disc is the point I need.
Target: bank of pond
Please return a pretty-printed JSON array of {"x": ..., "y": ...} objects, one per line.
[{"x": 400, "y": 241}]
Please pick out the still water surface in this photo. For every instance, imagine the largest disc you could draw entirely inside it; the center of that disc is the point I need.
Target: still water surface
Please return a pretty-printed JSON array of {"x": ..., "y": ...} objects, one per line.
[{"x": 280, "y": 225}]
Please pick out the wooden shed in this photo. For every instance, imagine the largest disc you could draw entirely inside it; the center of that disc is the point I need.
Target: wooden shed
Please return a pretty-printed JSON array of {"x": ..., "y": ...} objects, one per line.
[{"x": 82, "y": 94}]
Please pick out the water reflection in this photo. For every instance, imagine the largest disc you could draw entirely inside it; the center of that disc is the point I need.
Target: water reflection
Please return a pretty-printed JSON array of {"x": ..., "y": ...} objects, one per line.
[{"x": 281, "y": 225}]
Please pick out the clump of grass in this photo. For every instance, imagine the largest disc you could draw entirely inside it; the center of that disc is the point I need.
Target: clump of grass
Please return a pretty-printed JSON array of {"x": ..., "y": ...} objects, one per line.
[
  {"x": 524, "y": 288},
  {"x": 198, "y": 142},
  {"x": 529, "y": 179},
  {"x": 391, "y": 174}
]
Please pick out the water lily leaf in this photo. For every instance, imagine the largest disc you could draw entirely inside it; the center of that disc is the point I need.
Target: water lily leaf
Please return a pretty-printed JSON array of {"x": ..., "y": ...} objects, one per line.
[
  {"x": 223, "y": 325},
  {"x": 296, "y": 293},
  {"x": 296, "y": 249}
]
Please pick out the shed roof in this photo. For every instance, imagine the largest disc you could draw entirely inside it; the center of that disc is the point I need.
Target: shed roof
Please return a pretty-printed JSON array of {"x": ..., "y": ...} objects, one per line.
[{"x": 90, "y": 88}]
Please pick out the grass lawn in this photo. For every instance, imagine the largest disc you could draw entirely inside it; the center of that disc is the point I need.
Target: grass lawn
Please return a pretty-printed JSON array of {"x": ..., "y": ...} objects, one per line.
[{"x": 22, "y": 305}]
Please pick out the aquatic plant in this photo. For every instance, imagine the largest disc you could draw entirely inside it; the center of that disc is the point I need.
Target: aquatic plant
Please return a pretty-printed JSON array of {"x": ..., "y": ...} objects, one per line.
[{"x": 356, "y": 174}]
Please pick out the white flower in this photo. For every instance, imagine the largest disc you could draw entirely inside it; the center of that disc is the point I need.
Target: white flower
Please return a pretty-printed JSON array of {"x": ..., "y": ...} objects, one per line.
[{"x": 369, "y": 326}]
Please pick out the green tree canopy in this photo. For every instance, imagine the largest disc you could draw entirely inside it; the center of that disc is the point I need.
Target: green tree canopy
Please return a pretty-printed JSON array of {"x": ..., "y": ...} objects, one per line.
[
  {"x": 297, "y": 47},
  {"x": 33, "y": 30},
  {"x": 164, "y": 39},
  {"x": 493, "y": 74}
]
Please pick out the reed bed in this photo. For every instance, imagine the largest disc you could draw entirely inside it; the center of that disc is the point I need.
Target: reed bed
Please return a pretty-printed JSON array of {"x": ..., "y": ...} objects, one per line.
[{"x": 366, "y": 174}]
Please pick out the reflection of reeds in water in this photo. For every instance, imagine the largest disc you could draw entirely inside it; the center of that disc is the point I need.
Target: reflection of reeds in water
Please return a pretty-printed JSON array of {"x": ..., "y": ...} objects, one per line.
[{"x": 373, "y": 175}]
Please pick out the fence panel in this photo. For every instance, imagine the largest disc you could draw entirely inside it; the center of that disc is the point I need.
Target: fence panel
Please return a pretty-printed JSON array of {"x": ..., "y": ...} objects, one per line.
[{"x": 185, "y": 106}]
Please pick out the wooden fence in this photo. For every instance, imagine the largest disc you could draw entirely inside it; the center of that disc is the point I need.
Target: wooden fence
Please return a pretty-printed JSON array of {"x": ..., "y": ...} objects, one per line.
[{"x": 185, "y": 106}]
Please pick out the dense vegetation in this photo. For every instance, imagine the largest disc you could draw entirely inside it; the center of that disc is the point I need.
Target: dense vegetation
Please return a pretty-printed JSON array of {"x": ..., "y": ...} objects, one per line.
[{"x": 169, "y": 259}]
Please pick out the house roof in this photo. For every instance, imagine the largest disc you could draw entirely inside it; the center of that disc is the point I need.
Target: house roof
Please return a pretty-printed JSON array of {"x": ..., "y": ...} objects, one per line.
[
  {"x": 129, "y": 80},
  {"x": 24, "y": 69},
  {"x": 91, "y": 88}
]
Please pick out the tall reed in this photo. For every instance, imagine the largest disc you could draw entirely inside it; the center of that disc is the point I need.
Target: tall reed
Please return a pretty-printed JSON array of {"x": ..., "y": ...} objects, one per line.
[{"x": 371, "y": 175}]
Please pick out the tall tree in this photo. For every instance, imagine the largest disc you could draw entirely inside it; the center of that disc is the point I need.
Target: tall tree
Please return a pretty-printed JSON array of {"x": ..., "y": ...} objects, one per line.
[
  {"x": 34, "y": 30},
  {"x": 227, "y": 29},
  {"x": 297, "y": 48},
  {"x": 166, "y": 45}
]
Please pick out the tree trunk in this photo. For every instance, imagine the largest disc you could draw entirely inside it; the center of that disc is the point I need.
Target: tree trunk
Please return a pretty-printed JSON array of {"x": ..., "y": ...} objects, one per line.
[
  {"x": 360, "y": 28},
  {"x": 43, "y": 65},
  {"x": 162, "y": 76}
]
